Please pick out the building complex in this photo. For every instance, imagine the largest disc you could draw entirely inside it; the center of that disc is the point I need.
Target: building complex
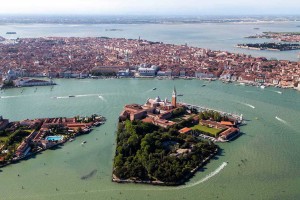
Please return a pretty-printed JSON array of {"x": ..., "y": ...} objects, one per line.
[{"x": 86, "y": 57}]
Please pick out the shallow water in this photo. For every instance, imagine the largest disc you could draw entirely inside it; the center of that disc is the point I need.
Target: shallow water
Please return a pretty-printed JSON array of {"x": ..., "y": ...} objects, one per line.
[
  {"x": 262, "y": 164},
  {"x": 215, "y": 36}
]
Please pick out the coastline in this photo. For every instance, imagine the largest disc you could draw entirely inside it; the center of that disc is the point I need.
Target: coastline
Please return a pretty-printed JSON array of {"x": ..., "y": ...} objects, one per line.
[
  {"x": 160, "y": 183},
  {"x": 248, "y": 83},
  {"x": 30, "y": 155},
  {"x": 39, "y": 140}
]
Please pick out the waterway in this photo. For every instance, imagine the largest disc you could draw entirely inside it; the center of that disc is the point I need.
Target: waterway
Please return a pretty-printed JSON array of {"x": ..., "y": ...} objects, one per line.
[
  {"x": 215, "y": 36},
  {"x": 263, "y": 163}
]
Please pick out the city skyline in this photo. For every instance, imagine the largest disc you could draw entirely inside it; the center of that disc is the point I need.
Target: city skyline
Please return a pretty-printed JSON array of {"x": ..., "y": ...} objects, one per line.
[{"x": 154, "y": 7}]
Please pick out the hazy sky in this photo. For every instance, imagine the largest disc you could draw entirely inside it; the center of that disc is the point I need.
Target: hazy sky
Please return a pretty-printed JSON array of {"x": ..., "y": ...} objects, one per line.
[{"x": 159, "y": 7}]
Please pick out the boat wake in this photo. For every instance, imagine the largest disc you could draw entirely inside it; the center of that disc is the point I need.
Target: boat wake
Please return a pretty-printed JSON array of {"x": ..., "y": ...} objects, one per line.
[
  {"x": 80, "y": 95},
  {"x": 281, "y": 120},
  {"x": 86, "y": 95},
  {"x": 249, "y": 105},
  {"x": 102, "y": 98},
  {"x": 207, "y": 177},
  {"x": 8, "y": 97},
  {"x": 278, "y": 92},
  {"x": 66, "y": 97}
]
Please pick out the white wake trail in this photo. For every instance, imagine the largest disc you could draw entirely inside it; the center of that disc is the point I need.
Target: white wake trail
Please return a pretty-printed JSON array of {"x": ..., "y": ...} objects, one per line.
[
  {"x": 8, "y": 97},
  {"x": 206, "y": 178},
  {"x": 102, "y": 98},
  {"x": 281, "y": 120},
  {"x": 86, "y": 95},
  {"x": 249, "y": 105}
]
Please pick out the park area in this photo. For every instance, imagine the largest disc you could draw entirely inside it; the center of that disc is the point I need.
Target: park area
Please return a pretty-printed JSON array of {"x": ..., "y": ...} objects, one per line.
[{"x": 207, "y": 130}]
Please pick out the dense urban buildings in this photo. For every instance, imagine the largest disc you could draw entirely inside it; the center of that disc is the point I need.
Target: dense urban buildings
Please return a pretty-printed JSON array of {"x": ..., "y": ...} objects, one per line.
[{"x": 85, "y": 57}]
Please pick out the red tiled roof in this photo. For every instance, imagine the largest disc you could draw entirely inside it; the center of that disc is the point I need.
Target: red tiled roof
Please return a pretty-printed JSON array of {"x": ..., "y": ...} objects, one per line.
[{"x": 185, "y": 130}]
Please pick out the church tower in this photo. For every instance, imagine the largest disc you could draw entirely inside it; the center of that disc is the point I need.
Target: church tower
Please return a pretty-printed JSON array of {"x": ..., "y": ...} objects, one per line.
[{"x": 174, "y": 98}]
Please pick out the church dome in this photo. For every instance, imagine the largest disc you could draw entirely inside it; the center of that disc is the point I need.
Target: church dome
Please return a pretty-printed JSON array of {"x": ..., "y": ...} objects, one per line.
[
  {"x": 10, "y": 72},
  {"x": 157, "y": 99}
]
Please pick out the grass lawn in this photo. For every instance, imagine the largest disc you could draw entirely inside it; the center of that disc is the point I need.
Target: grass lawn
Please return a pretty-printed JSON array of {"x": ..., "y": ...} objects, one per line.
[
  {"x": 14, "y": 138},
  {"x": 177, "y": 119},
  {"x": 212, "y": 131}
]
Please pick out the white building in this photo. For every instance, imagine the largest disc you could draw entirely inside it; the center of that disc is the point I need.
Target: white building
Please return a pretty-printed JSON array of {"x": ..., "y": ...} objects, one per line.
[
  {"x": 144, "y": 71},
  {"x": 11, "y": 75}
]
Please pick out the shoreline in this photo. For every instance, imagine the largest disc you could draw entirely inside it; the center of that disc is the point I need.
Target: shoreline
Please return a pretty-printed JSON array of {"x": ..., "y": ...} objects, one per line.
[
  {"x": 265, "y": 48},
  {"x": 30, "y": 140},
  {"x": 160, "y": 183},
  {"x": 253, "y": 84}
]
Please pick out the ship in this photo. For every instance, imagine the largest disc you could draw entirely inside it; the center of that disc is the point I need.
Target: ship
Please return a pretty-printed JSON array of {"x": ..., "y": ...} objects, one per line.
[{"x": 11, "y": 32}]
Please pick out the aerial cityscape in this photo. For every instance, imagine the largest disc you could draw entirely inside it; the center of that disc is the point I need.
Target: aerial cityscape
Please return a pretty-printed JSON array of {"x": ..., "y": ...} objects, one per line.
[
  {"x": 92, "y": 57},
  {"x": 149, "y": 100}
]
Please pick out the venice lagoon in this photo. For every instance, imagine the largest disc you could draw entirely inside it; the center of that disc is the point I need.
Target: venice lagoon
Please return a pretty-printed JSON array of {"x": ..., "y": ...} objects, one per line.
[
  {"x": 215, "y": 36},
  {"x": 263, "y": 163}
]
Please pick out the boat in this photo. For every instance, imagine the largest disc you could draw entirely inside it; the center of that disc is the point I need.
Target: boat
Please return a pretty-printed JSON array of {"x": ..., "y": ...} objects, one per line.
[
  {"x": 256, "y": 28},
  {"x": 262, "y": 87},
  {"x": 179, "y": 95},
  {"x": 83, "y": 142},
  {"x": 11, "y": 32},
  {"x": 154, "y": 88},
  {"x": 71, "y": 96},
  {"x": 71, "y": 139},
  {"x": 203, "y": 85}
]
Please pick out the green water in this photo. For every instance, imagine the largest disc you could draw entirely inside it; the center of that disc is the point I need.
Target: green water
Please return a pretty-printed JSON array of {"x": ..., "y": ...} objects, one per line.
[{"x": 269, "y": 148}]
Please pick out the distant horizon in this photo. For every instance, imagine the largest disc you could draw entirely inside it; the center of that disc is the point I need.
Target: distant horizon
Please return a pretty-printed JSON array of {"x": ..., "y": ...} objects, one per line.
[
  {"x": 140, "y": 19},
  {"x": 147, "y": 15},
  {"x": 154, "y": 7}
]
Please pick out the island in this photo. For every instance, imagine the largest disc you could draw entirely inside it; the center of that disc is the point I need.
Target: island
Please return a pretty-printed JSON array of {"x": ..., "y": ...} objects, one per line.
[
  {"x": 270, "y": 46},
  {"x": 113, "y": 29},
  {"x": 281, "y": 36},
  {"x": 104, "y": 57},
  {"x": 165, "y": 142},
  {"x": 21, "y": 139}
]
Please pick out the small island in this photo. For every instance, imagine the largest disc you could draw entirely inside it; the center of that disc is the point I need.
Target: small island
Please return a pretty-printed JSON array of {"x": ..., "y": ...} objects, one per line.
[
  {"x": 270, "y": 46},
  {"x": 165, "y": 143},
  {"x": 21, "y": 139},
  {"x": 113, "y": 29},
  {"x": 280, "y": 36}
]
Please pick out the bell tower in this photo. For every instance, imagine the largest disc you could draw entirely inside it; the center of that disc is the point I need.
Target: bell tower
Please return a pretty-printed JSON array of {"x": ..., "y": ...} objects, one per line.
[{"x": 174, "y": 98}]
